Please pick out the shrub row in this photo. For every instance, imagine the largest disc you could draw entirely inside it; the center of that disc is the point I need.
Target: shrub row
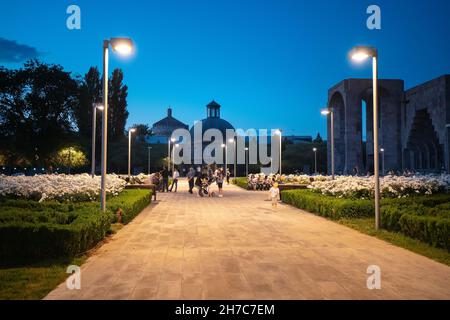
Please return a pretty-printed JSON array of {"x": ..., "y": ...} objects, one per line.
[
  {"x": 130, "y": 202},
  {"x": 32, "y": 230},
  {"x": 425, "y": 218},
  {"x": 330, "y": 207},
  {"x": 415, "y": 221},
  {"x": 241, "y": 182}
]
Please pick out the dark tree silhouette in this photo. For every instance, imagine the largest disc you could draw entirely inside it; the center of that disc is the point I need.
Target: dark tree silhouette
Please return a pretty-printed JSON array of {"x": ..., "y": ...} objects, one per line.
[
  {"x": 90, "y": 93},
  {"x": 318, "y": 139},
  {"x": 118, "y": 113},
  {"x": 36, "y": 110},
  {"x": 142, "y": 130}
]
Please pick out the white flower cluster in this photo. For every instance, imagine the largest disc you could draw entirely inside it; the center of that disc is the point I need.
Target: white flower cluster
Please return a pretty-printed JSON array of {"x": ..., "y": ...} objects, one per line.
[
  {"x": 141, "y": 178},
  {"x": 390, "y": 186},
  {"x": 288, "y": 179},
  {"x": 61, "y": 187}
]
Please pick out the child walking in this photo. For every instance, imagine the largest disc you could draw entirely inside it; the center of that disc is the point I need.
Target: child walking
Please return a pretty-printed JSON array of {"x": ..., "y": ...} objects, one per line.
[{"x": 274, "y": 195}]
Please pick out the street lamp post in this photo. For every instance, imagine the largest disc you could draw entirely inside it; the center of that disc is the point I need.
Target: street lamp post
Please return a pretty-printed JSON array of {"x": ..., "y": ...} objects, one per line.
[
  {"x": 246, "y": 162},
  {"x": 234, "y": 156},
  {"x": 94, "y": 131},
  {"x": 330, "y": 112},
  {"x": 360, "y": 54},
  {"x": 279, "y": 133},
  {"x": 122, "y": 46},
  {"x": 315, "y": 160},
  {"x": 130, "y": 131},
  {"x": 171, "y": 140},
  {"x": 383, "y": 172},
  {"x": 173, "y": 157},
  {"x": 148, "y": 170},
  {"x": 224, "y": 146}
]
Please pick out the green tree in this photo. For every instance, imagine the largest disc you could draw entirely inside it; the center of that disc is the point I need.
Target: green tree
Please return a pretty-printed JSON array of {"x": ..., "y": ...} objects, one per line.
[
  {"x": 36, "y": 110},
  {"x": 117, "y": 112},
  {"x": 70, "y": 157},
  {"x": 142, "y": 130},
  {"x": 318, "y": 139},
  {"x": 90, "y": 93}
]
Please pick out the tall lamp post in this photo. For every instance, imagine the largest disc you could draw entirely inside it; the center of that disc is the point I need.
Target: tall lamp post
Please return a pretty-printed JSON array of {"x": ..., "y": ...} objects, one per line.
[
  {"x": 171, "y": 140},
  {"x": 360, "y": 54},
  {"x": 224, "y": 146},
  {"x": 233, "y": 141},
  {"x": 130, "y": 132},
  {"x": 279, "y": 133},
  {"x": 246, "y": 162},
  {"x": 149, "y": 150},
  {"x": 383, "y": 172},
  {"x": 94, "y": 131},
  {"x": 315, "y": 160},
  {"x": 123, "y": 46},
  {"x": 173, "y": 156},
  {"x": 326, "y": 112}
]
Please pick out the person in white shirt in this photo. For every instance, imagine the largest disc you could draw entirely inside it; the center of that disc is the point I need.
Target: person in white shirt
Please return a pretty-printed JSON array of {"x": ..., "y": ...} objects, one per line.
[
  {"x": 274, "y": 193},
  {"x": 175, "y": 177}
]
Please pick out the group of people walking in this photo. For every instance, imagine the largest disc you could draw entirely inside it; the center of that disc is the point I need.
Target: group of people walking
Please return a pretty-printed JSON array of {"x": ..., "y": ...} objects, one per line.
[
  {"x": 205, "y": 179},
  {"x": 202, "y": 180}
]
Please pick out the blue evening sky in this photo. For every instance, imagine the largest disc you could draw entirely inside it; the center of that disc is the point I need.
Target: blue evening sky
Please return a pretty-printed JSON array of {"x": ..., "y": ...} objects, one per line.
[{"x": 268, "y": 63}]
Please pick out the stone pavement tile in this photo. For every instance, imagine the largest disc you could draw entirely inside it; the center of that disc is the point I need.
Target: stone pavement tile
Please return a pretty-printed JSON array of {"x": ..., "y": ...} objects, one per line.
[
  {"x": 331, "y": 290},
  {"x": 143, "y": 293},
  {"x": 237, "y": 247},
  {"x": 169, "y": 290}
]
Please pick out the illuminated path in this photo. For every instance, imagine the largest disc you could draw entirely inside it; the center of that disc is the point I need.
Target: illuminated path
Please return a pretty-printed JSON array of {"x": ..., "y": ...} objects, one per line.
[{"x": 236, "y": 247}]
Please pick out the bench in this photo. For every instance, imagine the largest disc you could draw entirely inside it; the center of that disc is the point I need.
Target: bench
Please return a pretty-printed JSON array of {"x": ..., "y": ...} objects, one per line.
[{"x": 151, "y": 187}]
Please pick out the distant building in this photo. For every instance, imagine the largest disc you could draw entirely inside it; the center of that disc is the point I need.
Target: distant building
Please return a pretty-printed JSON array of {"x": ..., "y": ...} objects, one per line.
[
  {"x": 297, "y": 139},
  {"x": 212, "y": 121},
  {"x": 414, "y": 125},
  {"x": 162, "y": 129}
]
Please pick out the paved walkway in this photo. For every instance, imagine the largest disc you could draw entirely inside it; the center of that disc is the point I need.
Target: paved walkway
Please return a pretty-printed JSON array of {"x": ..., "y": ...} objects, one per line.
[{"x": 236, "y": 247}]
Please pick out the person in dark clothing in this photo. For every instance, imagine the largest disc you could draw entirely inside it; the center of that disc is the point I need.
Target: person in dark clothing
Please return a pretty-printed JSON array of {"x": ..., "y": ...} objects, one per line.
[
  {"x": 198, "y": 183},
  {"x": 165, "y": 179},
  {"x": 191, "y": 179}
]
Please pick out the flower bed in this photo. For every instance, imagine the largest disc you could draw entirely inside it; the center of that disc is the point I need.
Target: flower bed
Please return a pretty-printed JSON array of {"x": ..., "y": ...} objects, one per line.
[
  {"x": 31, "y": 229},
  {"x": 354, "y": 186},
  {"x": 426, "y": 218},
  {"x": 61, "y": 187},
  {"x": 390, "y": 186}
]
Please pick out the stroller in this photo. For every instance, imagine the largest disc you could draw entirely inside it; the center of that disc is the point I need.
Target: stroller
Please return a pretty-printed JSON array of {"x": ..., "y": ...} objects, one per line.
[{"x": 205, "y": 187}]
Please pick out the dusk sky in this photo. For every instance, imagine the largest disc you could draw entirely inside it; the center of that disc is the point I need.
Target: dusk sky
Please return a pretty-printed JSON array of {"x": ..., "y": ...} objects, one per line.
[{"x": 268, "y": 63}]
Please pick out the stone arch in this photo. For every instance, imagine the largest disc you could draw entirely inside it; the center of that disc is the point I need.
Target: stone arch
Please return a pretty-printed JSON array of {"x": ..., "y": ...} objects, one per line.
[
  {"x": 366, "y": 96},
  {"x": 423, "y": 139},
  {"x": 337, "y": 104}
]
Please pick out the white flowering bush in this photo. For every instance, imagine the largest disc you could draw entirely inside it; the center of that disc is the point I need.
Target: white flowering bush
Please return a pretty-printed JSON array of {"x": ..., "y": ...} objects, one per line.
[
  {"x": 362, "y": 187},
  {"x": 141, "y": 178},
  {"x": 390, "y": 186},
  {"x": 61, "y": 187},
  {"x": 287, "y": 179}
]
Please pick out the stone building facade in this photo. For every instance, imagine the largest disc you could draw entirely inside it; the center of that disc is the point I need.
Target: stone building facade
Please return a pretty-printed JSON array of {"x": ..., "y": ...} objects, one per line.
[{"x": 414, "y": 125}]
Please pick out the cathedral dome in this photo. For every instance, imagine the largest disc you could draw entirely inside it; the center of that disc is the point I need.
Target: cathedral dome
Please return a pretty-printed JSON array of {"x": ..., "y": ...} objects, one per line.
[{"x": 213, "y": 120}]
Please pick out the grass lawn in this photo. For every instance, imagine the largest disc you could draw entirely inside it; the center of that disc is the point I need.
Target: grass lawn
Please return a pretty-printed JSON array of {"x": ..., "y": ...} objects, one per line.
[
  {"x": 35, "y": 277},
  {"x": 33, "y": 281},
  {"x": 366, "y": 225}
]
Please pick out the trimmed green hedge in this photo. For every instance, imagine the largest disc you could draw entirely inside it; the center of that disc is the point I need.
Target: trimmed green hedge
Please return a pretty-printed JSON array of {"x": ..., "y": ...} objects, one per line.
[
  {"x": 27, "y": 239},
  {"x": 327, "y": 206},
  {"x": 241, "y": 182},
  {"x": 426, "y": 218},
  {"x": 31, "y": 230},
  {"x": 131, "y": 202},
  {"x": 415, "y": 221}
]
